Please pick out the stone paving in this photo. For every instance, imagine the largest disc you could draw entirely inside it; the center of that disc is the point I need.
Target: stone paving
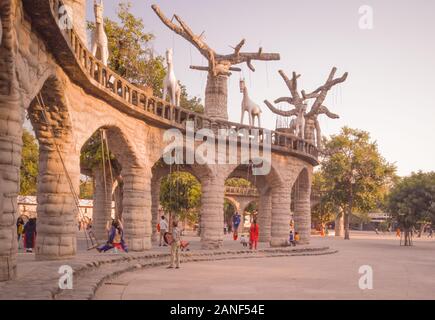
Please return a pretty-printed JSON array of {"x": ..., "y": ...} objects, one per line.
[
  {"x": 39, "y": 279},
  {"x": 398, "y": 273}
]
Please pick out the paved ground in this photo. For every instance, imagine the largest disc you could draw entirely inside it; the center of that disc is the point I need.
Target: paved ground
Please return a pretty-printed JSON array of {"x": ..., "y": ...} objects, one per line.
[{"x": 398, "y": 273}]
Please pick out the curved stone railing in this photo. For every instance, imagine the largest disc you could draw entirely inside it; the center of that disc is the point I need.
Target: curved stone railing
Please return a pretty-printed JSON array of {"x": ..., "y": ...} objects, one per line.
[
  {"x": 99, "y": 80},
  {"x": 241, "y": 191}
]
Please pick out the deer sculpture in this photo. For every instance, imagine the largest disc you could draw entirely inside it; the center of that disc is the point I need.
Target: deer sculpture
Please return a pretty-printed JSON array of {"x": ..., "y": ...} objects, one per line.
[
  {"x": 170, "y": 83},
  {"x": 99, "y": 42},
  {"x": 250, "y": 106}
]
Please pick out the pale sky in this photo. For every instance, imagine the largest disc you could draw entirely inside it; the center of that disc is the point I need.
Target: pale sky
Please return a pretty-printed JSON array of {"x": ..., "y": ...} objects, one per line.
[{"x": 391, "y": 68}]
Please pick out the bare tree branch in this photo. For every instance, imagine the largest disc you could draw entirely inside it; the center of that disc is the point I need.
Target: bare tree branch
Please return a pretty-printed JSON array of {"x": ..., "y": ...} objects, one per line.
[
  {"x": 320, "y": 93},
  {"x": 289, "y": 113},
  {"x": 213, "y": 58}
]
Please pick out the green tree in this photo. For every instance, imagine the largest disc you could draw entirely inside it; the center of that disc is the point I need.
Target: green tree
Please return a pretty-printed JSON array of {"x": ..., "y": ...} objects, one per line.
[
  {"x": 412, "y": 202},
  {"x": 180, "y": 195},
  {"x": 238, "y": 182},
  {"x": 325, "y": 210},
  {"x": 357, "y": 176},
  {"x": 86, "y": 189},
  {"x": 29, "y": 164}
]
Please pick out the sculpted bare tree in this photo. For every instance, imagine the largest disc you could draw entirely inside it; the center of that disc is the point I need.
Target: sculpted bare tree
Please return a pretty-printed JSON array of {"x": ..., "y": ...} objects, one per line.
[
  {"x": 219, "y": 66},
  {"x": 312, "y": 131}
]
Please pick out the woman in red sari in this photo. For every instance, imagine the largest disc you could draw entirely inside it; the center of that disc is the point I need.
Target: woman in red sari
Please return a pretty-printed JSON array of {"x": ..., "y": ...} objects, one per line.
[{"x": 253, "y": 234}]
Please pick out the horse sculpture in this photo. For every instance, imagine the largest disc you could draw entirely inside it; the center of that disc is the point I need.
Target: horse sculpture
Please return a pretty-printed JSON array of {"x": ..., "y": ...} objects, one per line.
[
  {"x": 248, "y": 105},
  {"x": 99, "y": 42},
  {"x": 170, "y": 83}
]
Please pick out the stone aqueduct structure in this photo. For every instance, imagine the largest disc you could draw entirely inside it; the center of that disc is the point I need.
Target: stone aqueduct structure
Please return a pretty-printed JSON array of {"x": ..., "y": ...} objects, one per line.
[{"x": 38, "y": 57}]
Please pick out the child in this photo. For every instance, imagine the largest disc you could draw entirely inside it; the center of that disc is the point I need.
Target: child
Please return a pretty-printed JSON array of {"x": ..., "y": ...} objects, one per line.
[
  {"x": 297, "y": 237},
  {"x": 243, "y": 240},
  {"x": 291, "y": 239}
]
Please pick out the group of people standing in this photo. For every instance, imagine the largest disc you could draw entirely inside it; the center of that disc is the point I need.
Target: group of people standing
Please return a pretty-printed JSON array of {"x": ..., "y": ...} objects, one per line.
[{"x": 27, "y": 232}]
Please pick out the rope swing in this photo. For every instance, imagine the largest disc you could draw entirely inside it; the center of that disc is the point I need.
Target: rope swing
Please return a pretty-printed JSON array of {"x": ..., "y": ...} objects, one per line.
[{"x": 91, "y": 241}]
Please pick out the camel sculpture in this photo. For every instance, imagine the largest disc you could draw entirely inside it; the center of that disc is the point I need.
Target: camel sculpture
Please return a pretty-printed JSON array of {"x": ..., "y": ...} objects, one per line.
[
  {"x": 250, "y": 106},
  {"x": 170, "y": 83},
  {"x": 99, "y": 43}
]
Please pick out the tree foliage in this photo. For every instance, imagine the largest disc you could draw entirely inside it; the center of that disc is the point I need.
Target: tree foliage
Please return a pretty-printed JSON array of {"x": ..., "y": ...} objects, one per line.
[
  {"x": 355, "y": 176},
  {"x": 29, "y": 164},
  {"x": 180, "y": 194},
  {"x": 412, "y": 202}
]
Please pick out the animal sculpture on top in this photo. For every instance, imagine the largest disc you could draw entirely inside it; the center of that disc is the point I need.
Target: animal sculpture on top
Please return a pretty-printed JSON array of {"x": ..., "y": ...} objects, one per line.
[
  {"x": 249, "y": 106},
  {"x": 170, "y": 83},
  {"x": 100, "y": 48},
  {"x": 297, "y": 125}
]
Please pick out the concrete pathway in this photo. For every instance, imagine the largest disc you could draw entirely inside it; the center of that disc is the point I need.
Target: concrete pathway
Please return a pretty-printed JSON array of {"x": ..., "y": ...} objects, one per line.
[{"x": 398, "y": 273}]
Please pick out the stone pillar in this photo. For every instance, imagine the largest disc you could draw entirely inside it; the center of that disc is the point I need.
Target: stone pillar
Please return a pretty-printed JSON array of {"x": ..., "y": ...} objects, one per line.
[
  {"x": 302, "y": 217},
  {"x": 57, "y": 212},
  {"x": 212, "y": 208},
  {"x": 102, "y": 202},
  {"x": 11, "y": 119},
  {"x": 137, "y": 208},
  {"x": 280, "y": 228},
  {"x": 155, "y": 201},
  {"x": 265, "y": 217},
  {"x": 79, "y": 18},
  {"x": 216, "y": 94}
]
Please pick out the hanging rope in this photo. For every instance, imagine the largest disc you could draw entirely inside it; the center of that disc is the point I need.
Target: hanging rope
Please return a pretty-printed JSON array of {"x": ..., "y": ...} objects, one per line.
[{"x": 81, "y": 216}]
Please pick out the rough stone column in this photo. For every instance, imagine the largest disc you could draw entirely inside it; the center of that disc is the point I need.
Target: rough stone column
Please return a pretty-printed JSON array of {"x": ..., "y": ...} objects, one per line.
[
  {"x": 212, "y": 216},
  {"x": 79, "y": 17},
  {"x": 302, "y": 218},
  {"x": 302, "y": 214},
  {"x": 102, "y": 202},
  {"x": 280, "y": 227},
  {"x": 265, "y": 217},
  {"x": 11, "y": 119},
  {"x": 155, "y": 201},
  {"x": 137, "y": 208},
  {"x": 216, "y": 92},
  {"x": 57, "y": 212}
]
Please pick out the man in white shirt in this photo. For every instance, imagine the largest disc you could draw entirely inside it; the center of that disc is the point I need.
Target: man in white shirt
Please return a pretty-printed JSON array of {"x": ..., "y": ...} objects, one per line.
[{"x": 163, "y": 229}]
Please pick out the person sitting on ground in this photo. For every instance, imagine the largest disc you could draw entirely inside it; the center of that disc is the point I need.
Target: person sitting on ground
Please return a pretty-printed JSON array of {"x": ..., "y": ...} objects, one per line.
[
  {"x": 291, "y": 239},
  {"x": 297, "y": 237},
  {"x": 243, "y": 240},
  {"x": 116, "y": 238}
]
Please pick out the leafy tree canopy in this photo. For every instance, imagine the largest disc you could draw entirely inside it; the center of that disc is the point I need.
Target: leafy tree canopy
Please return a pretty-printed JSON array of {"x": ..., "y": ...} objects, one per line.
[
  {"x": 180, "y": 193},
  {"x": 412, "y": 200},
  {"x": 29, "y": 164}
]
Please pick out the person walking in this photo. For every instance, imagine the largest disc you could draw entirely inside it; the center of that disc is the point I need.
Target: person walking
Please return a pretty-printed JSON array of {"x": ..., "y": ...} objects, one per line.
[
  {"x": 20, "y": 229},
  {"x": 236, "y": 223},
  {"x": 30, "y": 235},
  {"x": 175, "y": 246},
  {"x": 253, "y": 234},
  {"x": 163, "y": 225}
]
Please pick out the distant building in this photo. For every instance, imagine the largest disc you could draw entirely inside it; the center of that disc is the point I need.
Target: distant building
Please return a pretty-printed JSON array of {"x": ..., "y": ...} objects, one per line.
[{"x": 27, "y": 206}]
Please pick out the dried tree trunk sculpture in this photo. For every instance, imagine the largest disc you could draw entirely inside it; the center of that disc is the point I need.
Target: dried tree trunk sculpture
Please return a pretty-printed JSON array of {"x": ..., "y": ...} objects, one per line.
[
  {"x": 219, "y": 66},
  {"x": 312, "y": 127}
]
